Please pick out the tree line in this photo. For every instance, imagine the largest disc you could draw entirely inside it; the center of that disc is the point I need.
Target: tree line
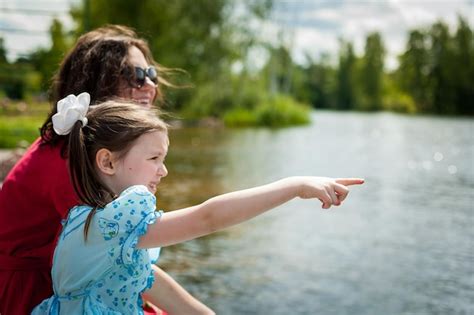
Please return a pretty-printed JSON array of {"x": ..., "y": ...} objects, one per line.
[
  {"x": 435, "y": 75},
  {"x": 211, "y": 41}
]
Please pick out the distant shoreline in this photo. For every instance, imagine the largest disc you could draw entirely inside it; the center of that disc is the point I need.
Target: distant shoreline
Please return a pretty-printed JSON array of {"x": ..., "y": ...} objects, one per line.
[{"x": 9, "y": 156}]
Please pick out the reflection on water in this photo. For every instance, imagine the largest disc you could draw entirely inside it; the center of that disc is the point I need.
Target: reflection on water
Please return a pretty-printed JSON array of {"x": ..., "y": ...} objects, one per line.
[{"x": 401, "y": 244}]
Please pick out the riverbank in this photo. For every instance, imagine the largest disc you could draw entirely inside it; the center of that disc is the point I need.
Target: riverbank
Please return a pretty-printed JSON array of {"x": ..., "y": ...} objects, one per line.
[{"x": 8, "y": 158}]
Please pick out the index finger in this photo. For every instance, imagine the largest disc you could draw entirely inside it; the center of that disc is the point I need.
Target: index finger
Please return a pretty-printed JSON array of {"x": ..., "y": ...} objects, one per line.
[{"x": 350, "y": 181}]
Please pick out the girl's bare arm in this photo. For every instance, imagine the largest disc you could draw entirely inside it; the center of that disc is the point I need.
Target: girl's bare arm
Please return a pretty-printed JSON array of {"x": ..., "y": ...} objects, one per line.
[{"x": 232, "y": 208}]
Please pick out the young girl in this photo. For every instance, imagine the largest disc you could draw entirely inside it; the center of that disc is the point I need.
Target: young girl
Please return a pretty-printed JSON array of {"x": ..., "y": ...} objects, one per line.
[
  {"x": 102, "y": 262},
  {"x": 108, "y": 62}
]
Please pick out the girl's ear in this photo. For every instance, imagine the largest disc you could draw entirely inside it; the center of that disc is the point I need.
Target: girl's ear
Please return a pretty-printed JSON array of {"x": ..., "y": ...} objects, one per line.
[{"x": 105, "y": 161}]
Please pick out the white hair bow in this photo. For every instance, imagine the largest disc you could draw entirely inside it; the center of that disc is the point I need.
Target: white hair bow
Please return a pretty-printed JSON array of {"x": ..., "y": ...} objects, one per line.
[{"x": 71, "y": 109}]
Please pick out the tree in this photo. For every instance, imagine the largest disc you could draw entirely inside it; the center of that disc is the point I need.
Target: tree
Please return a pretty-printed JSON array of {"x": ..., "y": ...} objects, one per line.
[
  {"x": 463, "y": 54},
  {"x": 204, "y": 37},
  {"x": 3, "y": 67},
  {"x": 441, "y": 75},
  {"x": 413, "y": 69},
  {"x": 279, "y": 70},
  {"x": 3, "y": 52},
  {"x": 346, "y": 96},
  {"x": 372, "y": 72},
  {"x": 323, "y": 78},
  {"x": 15, "y": 77},
  {"x": 46, "y": 61}
]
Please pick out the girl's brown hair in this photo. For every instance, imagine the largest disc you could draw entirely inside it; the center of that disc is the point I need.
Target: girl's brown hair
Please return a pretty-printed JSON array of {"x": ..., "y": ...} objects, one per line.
[
  {"x": 96, "y": 64},
  {"x": 113, "y": 125}
]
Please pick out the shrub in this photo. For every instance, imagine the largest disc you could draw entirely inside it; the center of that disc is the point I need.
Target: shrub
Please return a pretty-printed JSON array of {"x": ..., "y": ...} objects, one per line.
[
  {"x": 276, "y": 111},
  {"x": 400, "y": 102}
]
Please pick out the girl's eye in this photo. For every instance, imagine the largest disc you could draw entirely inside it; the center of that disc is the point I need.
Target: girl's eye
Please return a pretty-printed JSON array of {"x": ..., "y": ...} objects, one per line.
[{"x": 157, "y": 158}]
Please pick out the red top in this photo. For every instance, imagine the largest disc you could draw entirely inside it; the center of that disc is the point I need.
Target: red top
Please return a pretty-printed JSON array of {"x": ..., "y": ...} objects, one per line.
[{"x": 35, "y": 196}]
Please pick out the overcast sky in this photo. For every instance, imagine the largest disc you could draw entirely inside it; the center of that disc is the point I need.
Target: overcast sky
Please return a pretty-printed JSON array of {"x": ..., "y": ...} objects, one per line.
[{"x": 310, "y": 26}]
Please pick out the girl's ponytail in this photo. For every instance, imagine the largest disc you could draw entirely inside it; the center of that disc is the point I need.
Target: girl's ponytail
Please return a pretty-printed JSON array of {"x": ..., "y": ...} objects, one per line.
[
  {"x": 85, "y": 181},
  {"x": 78, "y": 163}
]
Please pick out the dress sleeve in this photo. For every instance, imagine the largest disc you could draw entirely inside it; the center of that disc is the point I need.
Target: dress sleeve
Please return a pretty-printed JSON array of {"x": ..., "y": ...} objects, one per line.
[{"x": 124, "y": 220}]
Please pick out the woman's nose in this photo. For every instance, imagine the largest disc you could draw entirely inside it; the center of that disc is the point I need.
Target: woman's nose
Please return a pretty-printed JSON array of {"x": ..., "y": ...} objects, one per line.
[{"x": 149, "y": 83}]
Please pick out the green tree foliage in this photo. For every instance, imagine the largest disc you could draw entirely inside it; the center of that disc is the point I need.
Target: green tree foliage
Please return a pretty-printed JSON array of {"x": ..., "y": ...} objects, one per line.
[
  {"x": 208, "y": 38},
  {"x": 372, "y": 73},
  {"x": 437, "y": 69},
  {"x": 3, "y": 67},
  {"x": 46, "y": 61},
  {"x": 16, "y": 79},
  {"x": 394, "y": 98},
  {"x": 413, "y": 69},
  {"x": 463, "y": 68},
  {"x": 203, "y": 37},
  {"x": 346, "y": 82},
  {"x": 3, "y": 52},
  {"x": 279, "y": 70},
  {"x": 441, "y": 76},
  {"x": 315, "y": 83}
]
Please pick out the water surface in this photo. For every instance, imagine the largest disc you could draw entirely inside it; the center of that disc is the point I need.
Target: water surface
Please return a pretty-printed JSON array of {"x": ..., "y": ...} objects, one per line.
[{"x": 401, "y": 244}]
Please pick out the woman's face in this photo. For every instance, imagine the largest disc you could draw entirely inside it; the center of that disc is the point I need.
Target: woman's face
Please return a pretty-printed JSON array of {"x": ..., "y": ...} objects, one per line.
[{"x": 145, "y": 94}]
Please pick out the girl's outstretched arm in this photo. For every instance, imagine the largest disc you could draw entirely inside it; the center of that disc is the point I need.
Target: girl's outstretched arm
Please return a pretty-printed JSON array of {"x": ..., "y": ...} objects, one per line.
[{"x": 232, "y": 208}]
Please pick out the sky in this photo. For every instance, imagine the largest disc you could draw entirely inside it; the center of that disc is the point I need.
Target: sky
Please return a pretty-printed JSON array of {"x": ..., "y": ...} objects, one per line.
[
  {"x": 24, "y": 24},
  {"x": 315, "y": 26},
  {"x": 309, "y": 27}
]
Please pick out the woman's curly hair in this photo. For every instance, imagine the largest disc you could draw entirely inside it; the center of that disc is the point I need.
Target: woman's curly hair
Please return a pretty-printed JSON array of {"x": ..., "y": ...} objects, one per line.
[{"x": 96, "y": 64}]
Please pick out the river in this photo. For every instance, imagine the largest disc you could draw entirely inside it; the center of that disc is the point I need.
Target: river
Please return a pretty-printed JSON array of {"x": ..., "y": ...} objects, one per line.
[{"x": 403, "y": 243}]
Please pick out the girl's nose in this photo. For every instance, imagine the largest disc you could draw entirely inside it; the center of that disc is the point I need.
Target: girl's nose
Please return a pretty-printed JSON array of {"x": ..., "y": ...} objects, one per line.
[{"x": 163, "y": 171}]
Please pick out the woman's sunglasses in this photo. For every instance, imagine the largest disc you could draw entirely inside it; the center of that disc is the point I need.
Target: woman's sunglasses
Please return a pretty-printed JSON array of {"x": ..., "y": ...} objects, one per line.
[{"x": 142, "y": 73}]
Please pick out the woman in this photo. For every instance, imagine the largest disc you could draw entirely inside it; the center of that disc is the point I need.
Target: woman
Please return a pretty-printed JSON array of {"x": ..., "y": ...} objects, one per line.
[{"x": 37, "y": 193}]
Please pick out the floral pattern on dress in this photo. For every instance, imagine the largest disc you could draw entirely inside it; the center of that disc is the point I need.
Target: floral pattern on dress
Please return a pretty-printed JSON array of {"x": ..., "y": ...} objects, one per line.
[
  {"x": 106, "y": 273},
  {"x": 109, "y": 228}
]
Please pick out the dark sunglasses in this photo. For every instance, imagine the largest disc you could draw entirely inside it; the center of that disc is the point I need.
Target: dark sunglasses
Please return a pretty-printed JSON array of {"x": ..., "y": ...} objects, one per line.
[{"x": 142, "y": 73}]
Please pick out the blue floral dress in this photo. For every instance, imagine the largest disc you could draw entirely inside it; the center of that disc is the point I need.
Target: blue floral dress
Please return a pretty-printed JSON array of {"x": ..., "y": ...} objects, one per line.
[{"x": 105, "y": 274}]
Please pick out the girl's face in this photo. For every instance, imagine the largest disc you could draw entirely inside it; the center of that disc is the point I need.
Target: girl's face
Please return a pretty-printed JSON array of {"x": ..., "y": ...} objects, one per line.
[
  {"x": 143, "y": 164},
  {"x": 145, "y": 94}
]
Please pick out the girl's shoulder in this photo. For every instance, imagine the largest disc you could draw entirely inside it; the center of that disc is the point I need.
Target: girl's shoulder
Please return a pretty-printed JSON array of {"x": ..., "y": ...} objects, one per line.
[
  {"x": 133, "y": 204},
  {"x": 130, "y": 207},
  {"x": 139, "y": 190},
  {"x": 125, "y": 219},
  {"x": 134, "y": 196}
]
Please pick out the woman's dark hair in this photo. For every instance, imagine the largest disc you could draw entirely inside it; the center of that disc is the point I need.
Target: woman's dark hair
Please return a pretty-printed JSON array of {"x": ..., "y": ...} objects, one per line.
[
  {"x": 96, "y": 65},
  {"x": 113, "y": 125}
]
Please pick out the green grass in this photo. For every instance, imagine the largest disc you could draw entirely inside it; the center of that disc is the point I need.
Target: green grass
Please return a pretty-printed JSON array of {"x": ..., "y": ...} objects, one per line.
[
  {"x": 20, "y": 122},
  {"x": 16, "y": 130}
]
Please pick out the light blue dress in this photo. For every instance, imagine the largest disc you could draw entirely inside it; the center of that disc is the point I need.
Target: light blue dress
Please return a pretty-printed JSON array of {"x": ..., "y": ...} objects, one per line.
[{"x": 107, "y": 273}]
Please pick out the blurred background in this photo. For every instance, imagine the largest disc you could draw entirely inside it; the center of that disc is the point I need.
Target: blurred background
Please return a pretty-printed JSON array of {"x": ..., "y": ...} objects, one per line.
[{"x": 377, "y": 89}]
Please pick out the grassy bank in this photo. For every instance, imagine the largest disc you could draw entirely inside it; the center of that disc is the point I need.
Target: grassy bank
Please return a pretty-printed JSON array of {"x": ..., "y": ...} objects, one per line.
[
  {"x": 14, "y": 131},
  {"x": 20, "y": 122}
]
